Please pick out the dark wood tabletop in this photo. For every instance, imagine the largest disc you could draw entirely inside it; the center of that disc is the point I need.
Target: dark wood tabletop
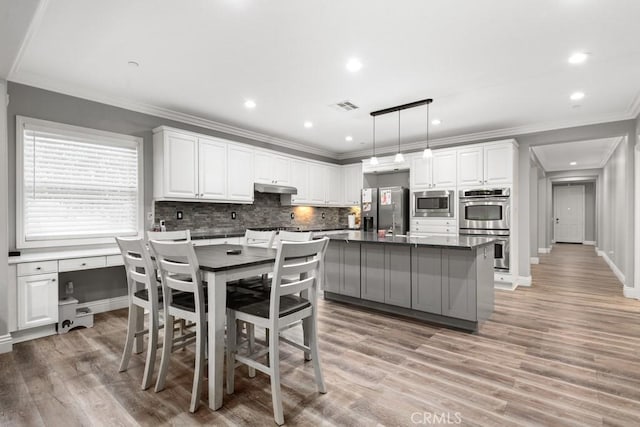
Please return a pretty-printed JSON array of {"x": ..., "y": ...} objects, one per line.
[{"x": 215, "y": 258}]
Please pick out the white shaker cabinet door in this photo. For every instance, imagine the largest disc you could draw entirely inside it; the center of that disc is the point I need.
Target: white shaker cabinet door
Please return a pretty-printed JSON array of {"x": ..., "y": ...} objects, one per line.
[
  {"x": 180, "y": 166},
  {"x": 470, "y": 170},
  {"x": 212, "y": 165},
  {"x": 300, "y": 180},
  {"x": 263, "y": 167},
  {"x": 281, "y": 169},
  {"x": 444, "y": 166},
  {"x": 498, "y": 164},
  {"x": 317, "y": 184},
  {"x": 240, "y": 173},
  {"x": 352, "y": 180},
  {"x": 421, "y": 176},
  {"x": 334, "y": 189},
  {"x": 37, "y": 300}
]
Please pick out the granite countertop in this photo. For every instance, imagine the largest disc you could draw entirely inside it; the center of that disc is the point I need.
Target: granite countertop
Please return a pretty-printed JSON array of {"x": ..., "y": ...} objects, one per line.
[
  {"x": 225, "y": 233},
  {"x": 455, "y": 242}
]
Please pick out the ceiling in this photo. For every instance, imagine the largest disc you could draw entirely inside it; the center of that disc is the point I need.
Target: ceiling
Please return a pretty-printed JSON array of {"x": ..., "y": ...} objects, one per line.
[
  {"x": 492, "y": 67},
  {"x": 592, "y": 154}
]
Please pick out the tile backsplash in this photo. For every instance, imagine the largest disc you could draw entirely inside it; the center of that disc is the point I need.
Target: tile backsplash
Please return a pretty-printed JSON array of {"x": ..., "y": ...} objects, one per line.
[{"x": 266, "y": 211}]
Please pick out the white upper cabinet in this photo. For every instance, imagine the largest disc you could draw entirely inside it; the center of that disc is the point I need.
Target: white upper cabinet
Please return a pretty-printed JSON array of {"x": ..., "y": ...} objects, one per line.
[
  {"x": 436, "y": 172},
  {"x": 498, "y": 163},
  {"x": 352, "y": 180},
  {"x": 272, "y": 169},
  {"x": 212, "y": 166},
  {"x": 195, "y": 167},
  {"x": 470, "y": 170},
  {"x": 180, "y": 165},
  {"x": 317, "y": 184},
  {"x": 239, "y": 173},
  {"x": 334, "y": 190},
  {"x": 444, "y": 167},
  {"x": 300, "y": 180}
]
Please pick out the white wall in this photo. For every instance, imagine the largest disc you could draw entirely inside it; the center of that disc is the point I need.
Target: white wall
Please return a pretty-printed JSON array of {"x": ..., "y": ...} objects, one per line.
[
  {"x": 4, "y": 221},
  {"x": 543, "y": 218}
]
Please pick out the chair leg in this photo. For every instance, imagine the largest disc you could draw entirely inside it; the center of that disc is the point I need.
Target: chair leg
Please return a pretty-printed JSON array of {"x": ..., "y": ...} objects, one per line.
[
  {"x": 152, "y": 348},
  {"x": 315, "y": 354},
  {"x": 128, "y": 344},
  {"x": 166, "y": 352},
  {"x": 232, "y": 337},
  {"x": 139, "y": 340},
  {"x": 274, "y": 365},
  {"x": 199, "y": 368},
  {"x": 306, "y": 328},
  {"x": 251, "y": 336}
]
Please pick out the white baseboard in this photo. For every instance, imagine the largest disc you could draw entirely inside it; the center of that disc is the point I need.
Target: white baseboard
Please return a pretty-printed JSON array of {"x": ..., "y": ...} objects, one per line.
[
  {"x": 108, "y": 304},
  {"x": 612, "y": 266},
  {"x": 33, "y": 333},
  {"x": 505, "y": 286},
  {"x": 589, "y": 242},
  {"x": 524, "y": 281},
  {"x": 630, "y": 292},
  {"x": 6, "y": 344},
  {"x": 535, "y": 260},
  {"x": 544, "y": 250}
]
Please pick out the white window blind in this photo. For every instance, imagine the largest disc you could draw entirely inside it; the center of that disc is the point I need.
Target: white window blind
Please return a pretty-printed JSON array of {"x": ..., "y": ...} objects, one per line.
[{"x": 78, "y": 185}]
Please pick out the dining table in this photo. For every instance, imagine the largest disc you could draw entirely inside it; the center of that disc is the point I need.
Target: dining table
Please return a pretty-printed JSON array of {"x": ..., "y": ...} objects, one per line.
[{"x": 219, "y": 265}]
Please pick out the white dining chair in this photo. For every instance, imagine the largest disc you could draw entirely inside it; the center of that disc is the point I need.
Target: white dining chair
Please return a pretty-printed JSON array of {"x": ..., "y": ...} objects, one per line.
[
  {"x": 180, "y": 271},
  {"x": 278, "y": 311},
  {"x": 292, "y": 236},
  {"x": 259, "y": 238},
  {"x": 173, "y": 236},
  {"x": 143, "y": 294}
]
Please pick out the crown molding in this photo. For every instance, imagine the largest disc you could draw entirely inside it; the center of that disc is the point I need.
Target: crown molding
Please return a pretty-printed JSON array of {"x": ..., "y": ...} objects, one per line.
[
  {"x": 634, "y": 107},
  {"x": 177, "y": 116},
  {"x": 505, "y": 133},
  {"x": 610, "y": 152},
  {"x": 33, "y": 27}
]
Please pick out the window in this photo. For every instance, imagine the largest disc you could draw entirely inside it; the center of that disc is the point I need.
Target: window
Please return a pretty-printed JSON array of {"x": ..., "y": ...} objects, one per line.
[{"x": 76, "y": 185}]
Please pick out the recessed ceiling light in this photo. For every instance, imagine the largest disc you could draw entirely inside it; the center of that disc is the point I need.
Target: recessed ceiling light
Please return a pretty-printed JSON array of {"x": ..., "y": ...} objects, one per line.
[
  {"x": 250, "y": 104},
  {"x": 308, "y": 124},
  {"x": 436, "y": 122},
  {"x": 573, "y": 163},
  {"x": 577, "y": 96},
  {"x": 133, "y": 64},
  {"x": 578, "y": 57},
  {"x": 348, "y": 138},
  {"x": 354, "y": 65}
]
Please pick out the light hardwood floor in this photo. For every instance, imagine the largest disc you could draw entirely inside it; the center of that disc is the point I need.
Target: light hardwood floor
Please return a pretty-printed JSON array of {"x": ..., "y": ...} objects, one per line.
[{"x": 564, "y": 352}]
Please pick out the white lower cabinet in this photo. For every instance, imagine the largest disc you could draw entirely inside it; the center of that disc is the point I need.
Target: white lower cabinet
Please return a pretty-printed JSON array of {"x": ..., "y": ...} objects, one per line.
[{"x": 37, "y": 300}]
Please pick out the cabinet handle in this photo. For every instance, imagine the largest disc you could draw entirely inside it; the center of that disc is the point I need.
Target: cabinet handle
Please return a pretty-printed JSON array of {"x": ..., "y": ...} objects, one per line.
[
  {"x": 83, "y": 264},
  {"x": 201, "y": 194},
  {"x": 38, "y": 268},
  {"x": 196, "y": 194},
  {"x": 53, "y": 280},
  {"x": 480, "y": 181}
]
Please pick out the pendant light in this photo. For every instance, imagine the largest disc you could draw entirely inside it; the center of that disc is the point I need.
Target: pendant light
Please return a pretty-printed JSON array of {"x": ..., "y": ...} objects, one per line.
[
  {"x": 427, "y": 153},
  {"x": 399, "y": 157},
  {"x": 374, "y": 159}
]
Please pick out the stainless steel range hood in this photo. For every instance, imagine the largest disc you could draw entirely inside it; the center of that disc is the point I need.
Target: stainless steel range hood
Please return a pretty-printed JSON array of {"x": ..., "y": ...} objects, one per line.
[{"x": 274, "y": 188}]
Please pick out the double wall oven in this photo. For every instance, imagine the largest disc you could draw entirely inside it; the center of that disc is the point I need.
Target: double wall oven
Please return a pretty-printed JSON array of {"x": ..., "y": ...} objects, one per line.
[{"x": 487, "y": 212}]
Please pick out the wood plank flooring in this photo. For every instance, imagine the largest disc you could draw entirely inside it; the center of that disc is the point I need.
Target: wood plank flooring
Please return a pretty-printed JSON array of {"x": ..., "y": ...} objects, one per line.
[{"x": 564, "y": 352}]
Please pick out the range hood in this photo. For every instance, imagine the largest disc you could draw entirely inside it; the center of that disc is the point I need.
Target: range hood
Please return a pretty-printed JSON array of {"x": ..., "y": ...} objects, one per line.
[{"x": 274, "y": 188}]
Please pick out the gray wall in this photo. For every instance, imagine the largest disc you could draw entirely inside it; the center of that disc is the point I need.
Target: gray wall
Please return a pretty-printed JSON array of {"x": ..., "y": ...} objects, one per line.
[
  {"x": 4, "y": 226},
  {"x": 46, "y": 105},
  {"x": 534, "y": 221}
]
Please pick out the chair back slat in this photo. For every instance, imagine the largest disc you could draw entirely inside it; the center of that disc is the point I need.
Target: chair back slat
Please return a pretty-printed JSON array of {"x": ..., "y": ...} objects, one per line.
[
  {"x": 178, "y": 259},
  {"x": 292, "y": 236},
  {"x": 259, "y": 238},
  {"x": 304, "y": 259},
  {"x": 175, "y": 236},
  {"x": 139, "y": 267}
]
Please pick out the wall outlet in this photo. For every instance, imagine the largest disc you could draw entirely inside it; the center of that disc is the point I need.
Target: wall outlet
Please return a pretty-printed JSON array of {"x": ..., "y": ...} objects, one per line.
[
  {"x": 323, "y": 214},
  {"x": 179, "y": 215},
  {"x": 234, "y": 215},
  {"x": 293, "y": 216},
  {"x": 150, "y": 217}
]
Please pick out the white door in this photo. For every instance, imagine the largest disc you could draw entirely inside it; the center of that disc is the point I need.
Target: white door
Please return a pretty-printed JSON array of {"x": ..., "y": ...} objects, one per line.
[
  {"x": 420, "y": 173},
  {"x": 181, "y": 166},
  {"x": 470, "y": 167},
  {"x": 568, "y": 202},
  {"x": 240, "y": 173},
  {"x": 444, "y": 165},
  {"x": 334, "y": 188},
  {"x": 498, "y": 164},
  {"x": 212, "y": 165},
  {"x": 300, "y": 180},
  {"x": 317, "y": 184},
  {"x": 37, "y": 300}
]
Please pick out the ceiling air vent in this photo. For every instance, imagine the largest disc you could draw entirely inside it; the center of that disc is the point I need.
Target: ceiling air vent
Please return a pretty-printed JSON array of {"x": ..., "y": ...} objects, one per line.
[{"x": 345, "y": 106}]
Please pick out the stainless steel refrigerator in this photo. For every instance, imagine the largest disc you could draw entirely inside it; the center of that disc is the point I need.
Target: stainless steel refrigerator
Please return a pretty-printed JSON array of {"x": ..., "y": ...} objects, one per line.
[{"x": 385, "y": 208}]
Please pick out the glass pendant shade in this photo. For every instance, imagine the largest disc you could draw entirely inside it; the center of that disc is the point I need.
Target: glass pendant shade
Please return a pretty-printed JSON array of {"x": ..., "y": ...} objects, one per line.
[
  {"x": 373, "y": 160},
  {"x": 399, "y": 158},
  {"x": 427, "y": 153}
]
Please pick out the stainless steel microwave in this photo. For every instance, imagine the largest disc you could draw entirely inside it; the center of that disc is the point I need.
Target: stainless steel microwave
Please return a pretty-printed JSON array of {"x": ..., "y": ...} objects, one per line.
[{"x": 434, "y": 203}]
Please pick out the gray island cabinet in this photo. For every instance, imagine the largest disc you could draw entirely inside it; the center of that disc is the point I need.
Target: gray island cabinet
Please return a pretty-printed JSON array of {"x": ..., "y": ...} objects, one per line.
[{"x": 447, "y": 280}]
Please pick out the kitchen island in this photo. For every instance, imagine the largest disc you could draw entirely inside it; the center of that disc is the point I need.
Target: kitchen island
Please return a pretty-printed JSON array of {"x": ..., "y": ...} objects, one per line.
[{"x": 446, "y": 280}]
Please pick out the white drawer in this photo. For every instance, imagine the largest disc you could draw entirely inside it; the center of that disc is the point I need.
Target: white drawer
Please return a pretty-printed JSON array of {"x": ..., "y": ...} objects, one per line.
[
  {"x": 82, "y": 263},
  {"x": 451, "y": 222},
  {"x": 439, "y": 229},
  {"x": 31, "y": 268},
  {"x": 113, "y": 260}
]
